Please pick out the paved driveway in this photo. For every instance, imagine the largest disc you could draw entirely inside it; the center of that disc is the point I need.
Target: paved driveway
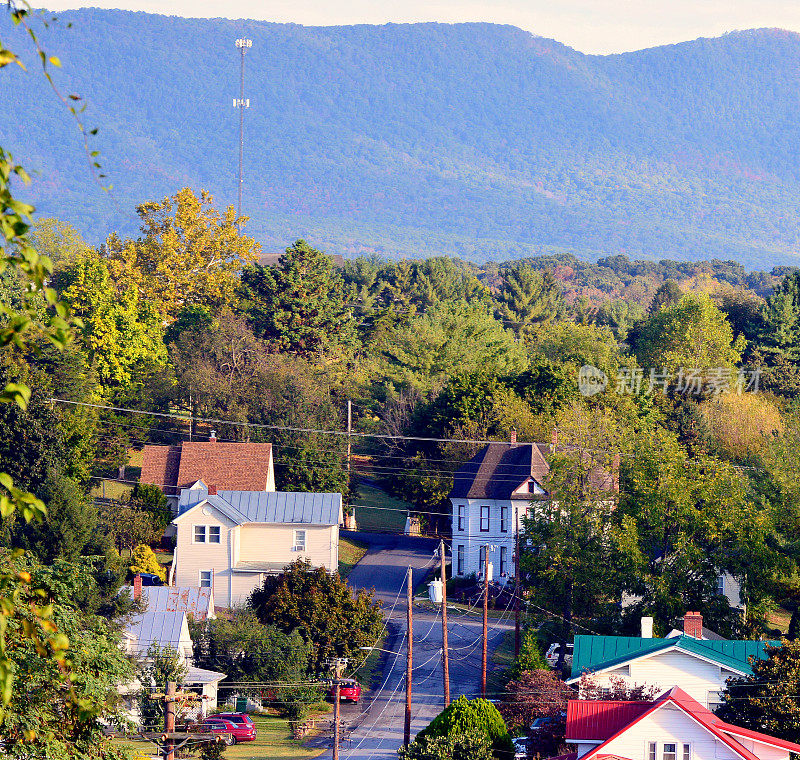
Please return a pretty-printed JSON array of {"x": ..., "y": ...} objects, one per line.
[{"x": 378, "y": 721}]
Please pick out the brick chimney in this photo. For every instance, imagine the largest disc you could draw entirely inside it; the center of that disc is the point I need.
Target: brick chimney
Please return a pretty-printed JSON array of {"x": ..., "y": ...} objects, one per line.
[
  {"x": 693, "y": 625},
  {"x": 212, "y": 490},
  {"x": 514, "y": 436},
  {"x": 213, "y": 437},
  {"x": 137, "y": 586}
]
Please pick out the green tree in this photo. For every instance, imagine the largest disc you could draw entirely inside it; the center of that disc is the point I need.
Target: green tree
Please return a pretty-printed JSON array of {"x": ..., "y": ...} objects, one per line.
[
  {"x": 152, "y": 500},
  {"x": 127, "y": 527},
  {"x": 527, "y": 299},
  {"x": 668, "y": 293},
  {"x": 143, "y": 560},
  {"x": 322, "y": 608},
  {"x": 448, "y": 340},
  {"x": 157, "y": 667},
  {"x": 768, "y": 700},
  {"x": 781, "y": 332},
  {"x": 692, "y": 333},
  {"x": 476, "y": 718},
  {"x": 461, "y": 747},
  {"x": 299, "y": 306},
  {"x": 58, "y": 240}
]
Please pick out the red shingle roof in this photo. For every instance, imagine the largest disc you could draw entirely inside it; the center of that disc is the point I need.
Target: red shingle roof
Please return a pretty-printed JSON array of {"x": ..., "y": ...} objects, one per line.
[{"x": 228, "y": 466}]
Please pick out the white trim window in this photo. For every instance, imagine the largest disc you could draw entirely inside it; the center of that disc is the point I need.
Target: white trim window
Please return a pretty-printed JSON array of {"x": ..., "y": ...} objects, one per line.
[
  {"x": 652, "y": 751},
  {"x": 670, "y": 751},
  {"x": 482, "y": 560},
  {"x": 299, "y": 541},
  {"x": 207, "y": 534},
  {"x": 214, "y": 534},
  {"x": 485, "y": 511},
  {"x": 206, "y": 578},
  {"x": 504, "y": 519},
  {"x": 199, "y": 534},
  {"x": 687, "y": 752},
  {"x": 461, "y": 516},
  {"x": 503, "y": 559},
  {"x": 460, "y": 560}
]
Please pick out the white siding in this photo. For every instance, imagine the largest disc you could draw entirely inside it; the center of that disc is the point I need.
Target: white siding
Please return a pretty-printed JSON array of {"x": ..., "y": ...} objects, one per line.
[
  {"x": 275, "y": 543},
  {"x": 669, "y": 724},
  {"x": 667, "y": 669}
]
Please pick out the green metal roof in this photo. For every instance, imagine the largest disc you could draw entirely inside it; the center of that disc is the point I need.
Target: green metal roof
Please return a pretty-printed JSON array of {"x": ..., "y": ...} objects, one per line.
[{"x": 594, "y": 653}]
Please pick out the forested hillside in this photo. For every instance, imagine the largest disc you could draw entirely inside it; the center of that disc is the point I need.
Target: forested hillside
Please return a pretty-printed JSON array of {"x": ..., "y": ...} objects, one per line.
[{"x": 476, "y": 140}]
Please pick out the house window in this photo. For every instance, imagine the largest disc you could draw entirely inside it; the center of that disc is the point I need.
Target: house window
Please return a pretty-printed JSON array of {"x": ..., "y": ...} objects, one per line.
[
  {"x": 670, "y": 752},
  {"x": 482, "y": 560},
  {"x": 214, "y": 534},
  {"x": 503, "y": 559},
  {"x": 687, "y": 752},
  {"x": 299, "y": 541},
  {"x": 504, "y": 519},
  {"x": 721, "y": 585},
  {"x": 205, "y": 578},
  {"x": 199, "y": 534},
  {"x": 714, "y": 700},
  {"x": 484, "y": 519},
  {"x": 652, "y": 751},
  {"x": 461, "y": 511},
  {"x": 460, "y": 560}
]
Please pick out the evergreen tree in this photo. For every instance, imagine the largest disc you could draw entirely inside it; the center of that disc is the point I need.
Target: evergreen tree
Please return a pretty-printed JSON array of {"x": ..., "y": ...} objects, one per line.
[
  {"x": 781, "y": 332},
  {"x": 299, "y": 305},
  {"x": 527, "y": 298}
]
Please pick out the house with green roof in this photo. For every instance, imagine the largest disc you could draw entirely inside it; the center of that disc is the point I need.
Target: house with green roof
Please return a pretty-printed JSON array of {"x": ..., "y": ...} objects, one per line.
[{"x": 700, "y": 667}]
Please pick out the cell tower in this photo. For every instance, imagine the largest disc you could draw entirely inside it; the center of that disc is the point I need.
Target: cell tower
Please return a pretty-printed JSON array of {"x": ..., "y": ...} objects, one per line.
[{"x": 241, "y": 103}]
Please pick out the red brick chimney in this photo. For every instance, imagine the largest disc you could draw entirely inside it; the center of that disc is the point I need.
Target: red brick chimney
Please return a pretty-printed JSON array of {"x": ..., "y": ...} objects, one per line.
[
  {"x": 212, "y": 490},
  {"x": 137, "y": 586},
  {"x": 213, "y": 437},
  {"x": 514, "y": 436},
  {"x": 693, "y": 625}
]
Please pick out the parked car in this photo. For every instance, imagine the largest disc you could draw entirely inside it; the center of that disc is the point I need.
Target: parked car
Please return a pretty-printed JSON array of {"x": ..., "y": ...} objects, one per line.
[
  {"x": 520, "y": 748},
  {"x": 349, "y": 690},
  {"x": 151, "y": 579},
  {"x": 241, "y": 719},
  {"x": 542, "y": 724},
  {"x": 555, "y": 650},
  {"x": 237, "y": 732}
]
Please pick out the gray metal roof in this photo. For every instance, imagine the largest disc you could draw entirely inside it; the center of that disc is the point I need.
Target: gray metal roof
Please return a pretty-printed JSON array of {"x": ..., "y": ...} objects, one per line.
[
  {"x": 164, "y": 628},
  {"x": 193, "y": 600},
  {"x": 201, "y": 675},
  {"x": 269, "y": 507}
]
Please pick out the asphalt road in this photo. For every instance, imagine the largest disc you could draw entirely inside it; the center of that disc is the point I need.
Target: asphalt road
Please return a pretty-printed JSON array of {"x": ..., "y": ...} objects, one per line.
[{"x": 377, "y": 723}]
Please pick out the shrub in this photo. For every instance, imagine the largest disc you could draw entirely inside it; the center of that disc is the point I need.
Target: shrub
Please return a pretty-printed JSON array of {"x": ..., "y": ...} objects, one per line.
[{"x": 143, "y": 560}]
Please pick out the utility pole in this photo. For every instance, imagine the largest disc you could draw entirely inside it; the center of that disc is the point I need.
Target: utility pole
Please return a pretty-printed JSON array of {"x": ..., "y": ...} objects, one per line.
[
  {"x": 338, "y": 666},
  {"x": 349, "y": 433},
  {"x": 409, "y": 657},
  {"x": 169, "y": 720},
  {"x": 485, "y": 618},
  {"x": 241, "y": 103},
  {"x": 517, "y": 590},
  {"x": 445, "y": 653}
]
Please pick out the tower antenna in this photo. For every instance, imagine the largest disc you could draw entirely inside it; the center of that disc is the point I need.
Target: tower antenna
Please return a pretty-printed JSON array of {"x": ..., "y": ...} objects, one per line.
[{"x": 241, "y": 103}]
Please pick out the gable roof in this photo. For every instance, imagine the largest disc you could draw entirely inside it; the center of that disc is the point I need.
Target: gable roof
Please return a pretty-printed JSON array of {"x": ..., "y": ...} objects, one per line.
[
  {"x": 598, "y": 653},
  {"x": 276, "y": 507},
  {"x": 585, "y": 714},
  {"x": 162, "y": 628},
  {"x": 498, "y": 470},
  {"x": 235, "y": 466},
  {"x": 193, "y": 600}
]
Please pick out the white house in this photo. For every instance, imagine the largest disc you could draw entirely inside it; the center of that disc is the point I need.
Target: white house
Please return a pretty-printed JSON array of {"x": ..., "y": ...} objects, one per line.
[
  {"x": 673, "y": 727},
  {"x": 230, "y": 540},
  {"x": 701, "y": 667},
  {"x": 491, "y": 495}
]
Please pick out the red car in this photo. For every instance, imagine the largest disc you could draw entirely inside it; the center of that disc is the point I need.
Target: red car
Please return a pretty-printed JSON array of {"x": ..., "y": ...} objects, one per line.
[
  {"x": 349, "y": 690},
  {"x": 239, "y": 732}
]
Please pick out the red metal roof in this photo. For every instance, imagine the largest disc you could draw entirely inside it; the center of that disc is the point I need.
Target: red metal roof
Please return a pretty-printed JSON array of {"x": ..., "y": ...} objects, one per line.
[{"x": 597, "y": 720}]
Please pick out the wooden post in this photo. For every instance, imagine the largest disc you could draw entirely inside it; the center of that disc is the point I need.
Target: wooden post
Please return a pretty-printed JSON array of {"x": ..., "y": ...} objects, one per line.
[
  {"x": 336, "y": 707},
  {"x": 445, "y": 652},
  {"x": 169, "y": 720},
  {"x": 485, "y": 619},
  {"x": 409, "y": 657},
  {"x": 517, "y": 592}
]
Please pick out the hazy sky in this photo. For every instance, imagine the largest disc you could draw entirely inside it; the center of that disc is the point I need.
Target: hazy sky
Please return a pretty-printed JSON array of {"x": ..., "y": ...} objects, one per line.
[{"x": 593, "y": 26}]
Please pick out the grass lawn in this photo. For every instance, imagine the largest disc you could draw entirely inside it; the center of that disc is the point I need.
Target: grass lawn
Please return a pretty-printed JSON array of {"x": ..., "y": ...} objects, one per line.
[
  {"x": 113, "y": 489},
  {"x": 350, "y": 554},
  {"x": 377, "y": 511},
  {"x": 274, "y": 741}
]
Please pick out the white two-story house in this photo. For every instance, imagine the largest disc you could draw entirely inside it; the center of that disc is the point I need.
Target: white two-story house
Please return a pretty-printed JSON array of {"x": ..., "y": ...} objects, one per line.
[
  {"x": 491, "y": 495},
  {"x": 229, "y": 540}
]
